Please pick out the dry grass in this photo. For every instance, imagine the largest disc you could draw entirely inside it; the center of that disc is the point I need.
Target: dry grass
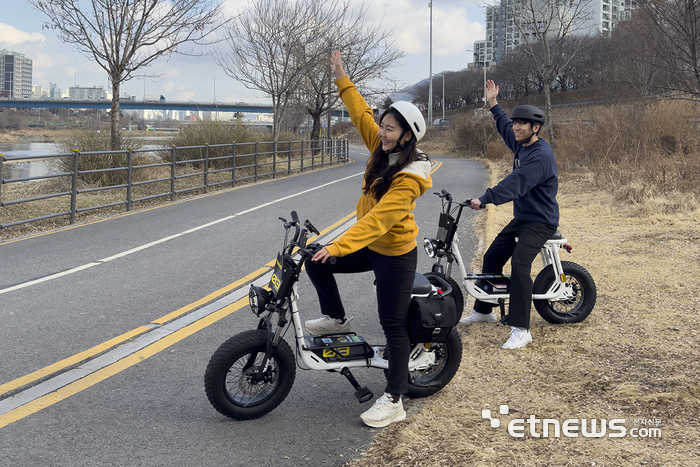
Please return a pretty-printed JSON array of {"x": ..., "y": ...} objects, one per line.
[{"x": 637, "y": 356}]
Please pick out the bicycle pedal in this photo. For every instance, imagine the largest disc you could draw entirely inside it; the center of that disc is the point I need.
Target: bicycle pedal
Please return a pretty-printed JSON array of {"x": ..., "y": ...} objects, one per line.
[{"x": 364, "y": 395}]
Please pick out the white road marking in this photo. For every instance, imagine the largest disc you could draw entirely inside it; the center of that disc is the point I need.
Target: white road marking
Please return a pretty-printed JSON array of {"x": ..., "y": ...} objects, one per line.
[{"x": 163, "y": 240}]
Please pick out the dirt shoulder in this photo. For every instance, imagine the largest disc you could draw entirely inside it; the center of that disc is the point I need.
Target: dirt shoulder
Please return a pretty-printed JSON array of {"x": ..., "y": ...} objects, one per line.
[{"x": 635, "y": 358}]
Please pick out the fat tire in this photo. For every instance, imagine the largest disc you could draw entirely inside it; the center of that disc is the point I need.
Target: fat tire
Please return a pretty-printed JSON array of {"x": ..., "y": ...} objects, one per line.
[
  {"x": 585, "y": 290},
  {"x": 235, "y": 352},
  {"x": 456, "y": 294},
  {"x": 447, "y": 365}
]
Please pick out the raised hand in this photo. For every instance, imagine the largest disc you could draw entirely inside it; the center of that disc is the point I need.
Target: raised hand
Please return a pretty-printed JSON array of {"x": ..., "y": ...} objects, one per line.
[
  {"x": 491, "y": 92},
  {"x": 337, "y": 65}
]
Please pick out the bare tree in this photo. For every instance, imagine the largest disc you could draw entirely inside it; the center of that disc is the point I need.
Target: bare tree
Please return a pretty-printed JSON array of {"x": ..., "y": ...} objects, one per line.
[
  {"x": 551, "y": 36},
  {"x": 675, "y": 26},
  {"x": 125, "y": 35},
  {"x": 367, "y": 51},
  {"x": 271, "y": 44},
  {"x": 282, "y": 48}
]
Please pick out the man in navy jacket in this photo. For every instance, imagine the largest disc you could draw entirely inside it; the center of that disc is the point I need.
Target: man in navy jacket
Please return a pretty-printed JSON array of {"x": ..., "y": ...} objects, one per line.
[{"x": 532, "y": 187}]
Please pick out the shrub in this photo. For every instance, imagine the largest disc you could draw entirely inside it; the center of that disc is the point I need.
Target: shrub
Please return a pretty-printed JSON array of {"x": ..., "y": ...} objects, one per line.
[
  {"x": 213, "y": 132},
  {"x": 91, "y": 140},
  {"x": 474, "y": 131},
  {"x": 639, "y": 151}
]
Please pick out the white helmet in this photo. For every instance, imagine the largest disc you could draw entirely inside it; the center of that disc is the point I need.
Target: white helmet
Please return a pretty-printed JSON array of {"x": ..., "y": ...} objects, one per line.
[{"x": 413, "y": 116}]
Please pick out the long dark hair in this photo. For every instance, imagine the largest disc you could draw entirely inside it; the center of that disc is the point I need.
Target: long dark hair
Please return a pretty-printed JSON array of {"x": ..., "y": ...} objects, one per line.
[{"x": 379, "y": 173}]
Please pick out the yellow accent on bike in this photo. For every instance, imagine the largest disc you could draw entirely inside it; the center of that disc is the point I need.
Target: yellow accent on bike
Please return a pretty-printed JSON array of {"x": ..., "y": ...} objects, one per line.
[
  {"x": 342, "y": 351},
  {"x": 562, "y": 277}
]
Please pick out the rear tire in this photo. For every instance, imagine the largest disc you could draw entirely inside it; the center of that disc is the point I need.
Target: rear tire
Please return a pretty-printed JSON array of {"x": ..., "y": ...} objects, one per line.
[
  {"x": 573, "y": 310},
  {"x": 228, "y": 379},
  {"x": 448, "y": 357}
]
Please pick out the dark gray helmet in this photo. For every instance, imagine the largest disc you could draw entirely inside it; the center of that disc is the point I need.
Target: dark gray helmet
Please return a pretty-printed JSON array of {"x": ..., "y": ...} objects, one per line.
[{"x": 528, "y": 112}]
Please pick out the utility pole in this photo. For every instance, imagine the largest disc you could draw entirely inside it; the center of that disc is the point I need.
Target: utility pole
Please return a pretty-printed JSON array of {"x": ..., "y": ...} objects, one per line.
[{"x": 430, "y": 89}]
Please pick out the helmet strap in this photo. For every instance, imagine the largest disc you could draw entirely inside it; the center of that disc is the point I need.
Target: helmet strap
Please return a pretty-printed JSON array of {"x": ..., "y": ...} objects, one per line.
[{"x": 399, "y": 145}]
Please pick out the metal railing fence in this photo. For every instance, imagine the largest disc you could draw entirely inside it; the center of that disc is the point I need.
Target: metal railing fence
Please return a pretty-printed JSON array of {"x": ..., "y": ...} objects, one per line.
[{"x": 216, "y": 165}]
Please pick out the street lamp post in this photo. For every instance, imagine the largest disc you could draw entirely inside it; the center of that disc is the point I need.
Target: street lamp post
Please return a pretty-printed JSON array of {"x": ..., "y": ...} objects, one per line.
[
  {"x": 430, "y": 89},
  {"x": 476, "y": 55}
]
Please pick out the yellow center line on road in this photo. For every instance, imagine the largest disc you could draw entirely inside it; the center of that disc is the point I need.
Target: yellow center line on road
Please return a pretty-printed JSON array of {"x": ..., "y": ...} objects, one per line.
[
  {"x": 130, "y": 360},
  {"x": 111, "y": 370}
]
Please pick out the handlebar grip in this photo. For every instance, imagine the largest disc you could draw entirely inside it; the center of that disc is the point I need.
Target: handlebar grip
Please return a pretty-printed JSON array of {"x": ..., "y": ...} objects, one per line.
[{"x": 295, "y": 218}]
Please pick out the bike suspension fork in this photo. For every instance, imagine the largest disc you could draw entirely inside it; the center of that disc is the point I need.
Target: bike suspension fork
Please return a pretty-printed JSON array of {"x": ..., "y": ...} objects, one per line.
[{"x": 271, "y": 345}]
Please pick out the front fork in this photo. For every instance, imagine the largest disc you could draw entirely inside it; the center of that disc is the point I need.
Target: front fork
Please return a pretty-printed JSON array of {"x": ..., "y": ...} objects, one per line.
[{"x": 271, "y": 345}]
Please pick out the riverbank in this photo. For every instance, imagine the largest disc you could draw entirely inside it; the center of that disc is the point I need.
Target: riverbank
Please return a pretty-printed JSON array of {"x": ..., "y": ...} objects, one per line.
[{"x": 636, "y": 358}]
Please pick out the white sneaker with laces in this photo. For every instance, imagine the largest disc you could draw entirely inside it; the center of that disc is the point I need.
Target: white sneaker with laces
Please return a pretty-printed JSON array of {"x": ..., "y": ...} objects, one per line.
[
  {"x": 327, "y": 325},
  {"x": 384, "y": 412},
  {"x": 519, "y": 337},
  {"x": 476, "y": 317}
]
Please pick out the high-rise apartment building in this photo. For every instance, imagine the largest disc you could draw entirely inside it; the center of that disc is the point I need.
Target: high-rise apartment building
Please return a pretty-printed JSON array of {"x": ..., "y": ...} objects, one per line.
[
  {"x": 511, "y": 22},
  {"x": 15, "y": 75}
]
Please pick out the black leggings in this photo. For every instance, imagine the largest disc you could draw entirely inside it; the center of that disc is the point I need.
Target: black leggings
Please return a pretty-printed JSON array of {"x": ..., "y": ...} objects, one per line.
[
  {"x": 531, "y": 237},
  {"x": 394, "y": 275}
]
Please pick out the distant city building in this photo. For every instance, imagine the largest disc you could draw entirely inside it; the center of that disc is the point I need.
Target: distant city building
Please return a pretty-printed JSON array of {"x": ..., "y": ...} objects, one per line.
[
  {"x": 510, "y": 23},
  {"x": 78, "y": 93},
  {"x": 15, "y": 75},
  {"x": 54, "y": 92}
]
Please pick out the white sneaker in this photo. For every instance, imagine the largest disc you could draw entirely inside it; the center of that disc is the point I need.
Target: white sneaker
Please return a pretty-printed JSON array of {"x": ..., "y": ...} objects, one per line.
[
  {"x": 327, "y": 325},
  {"x": 476, "y": 317},
  {"x": 519, "y": 337},
  {"x": 384, "y": 412}
]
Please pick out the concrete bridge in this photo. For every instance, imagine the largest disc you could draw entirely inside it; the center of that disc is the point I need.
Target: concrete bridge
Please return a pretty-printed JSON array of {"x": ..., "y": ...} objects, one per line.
[{"x": 131, "y": 104}]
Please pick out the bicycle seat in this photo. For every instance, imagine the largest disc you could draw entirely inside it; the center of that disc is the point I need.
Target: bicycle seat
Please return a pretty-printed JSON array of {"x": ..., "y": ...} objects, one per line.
[
  {"x": 421, "y": 285},
  {"x": 556, "y": 236}
]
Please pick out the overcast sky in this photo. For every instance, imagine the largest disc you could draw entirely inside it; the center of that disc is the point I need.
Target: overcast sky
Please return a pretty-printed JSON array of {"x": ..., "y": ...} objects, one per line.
[{"x": 456, "y": 25}]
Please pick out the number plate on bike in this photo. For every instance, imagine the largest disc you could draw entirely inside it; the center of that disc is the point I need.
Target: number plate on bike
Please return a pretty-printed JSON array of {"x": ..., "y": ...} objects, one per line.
[{"x": 281, "y": 278}]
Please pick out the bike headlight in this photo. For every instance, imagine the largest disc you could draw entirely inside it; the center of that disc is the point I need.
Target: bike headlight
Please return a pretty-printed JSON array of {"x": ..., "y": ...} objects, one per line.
[
  {"x": 258, "y": 299},
  {"x": 430, "y": 247}
]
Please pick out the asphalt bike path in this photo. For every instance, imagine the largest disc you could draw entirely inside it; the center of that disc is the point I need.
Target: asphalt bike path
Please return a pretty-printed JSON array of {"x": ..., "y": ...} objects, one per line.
[{"x": 106, "y": 362}]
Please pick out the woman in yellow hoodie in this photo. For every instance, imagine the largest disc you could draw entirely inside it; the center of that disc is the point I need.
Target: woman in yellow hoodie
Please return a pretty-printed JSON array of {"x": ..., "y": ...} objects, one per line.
[{"x": 382, "y": 240}]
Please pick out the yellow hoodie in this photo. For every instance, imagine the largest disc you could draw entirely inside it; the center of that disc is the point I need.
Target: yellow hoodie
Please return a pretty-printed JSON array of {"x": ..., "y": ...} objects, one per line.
[{"x": 385, "y": 226}]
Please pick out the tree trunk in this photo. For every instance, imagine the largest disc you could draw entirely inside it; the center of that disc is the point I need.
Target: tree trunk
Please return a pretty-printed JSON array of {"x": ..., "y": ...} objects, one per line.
[
  {"x": 548, "y": 113},
  {"x": 316, "y": 128},
  {"x": 115, "y": 130}
]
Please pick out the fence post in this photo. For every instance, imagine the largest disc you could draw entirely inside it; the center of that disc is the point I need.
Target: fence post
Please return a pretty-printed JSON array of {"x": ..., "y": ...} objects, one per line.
[
  {"x": 256, "y": 162},
  {"x": 274, "y": 159},
  {"x": 233, "y": 168},
  {"x": 302, "y": 155},
  {"x": 172, "y": 172},
  {"x": 206, "y": 166},
  {"x": 74, "y": 187},
  {"x": 2, "y": 159},
  {"x": 128, "y": 178},
  {"x": 289, "y": 157}
]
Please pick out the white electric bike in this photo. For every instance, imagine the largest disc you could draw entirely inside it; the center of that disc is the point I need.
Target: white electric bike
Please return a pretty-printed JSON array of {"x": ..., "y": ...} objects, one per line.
[
  {"x": 251, "y": 373},
  {"x": 563, "y": 292}
]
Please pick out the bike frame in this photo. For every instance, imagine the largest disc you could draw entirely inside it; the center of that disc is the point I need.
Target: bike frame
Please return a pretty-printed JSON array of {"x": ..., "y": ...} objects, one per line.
[
  {"x": 418, "y": 359},
  {"x": 287, "y": 302},
  {"x": 549, "y": 255}
]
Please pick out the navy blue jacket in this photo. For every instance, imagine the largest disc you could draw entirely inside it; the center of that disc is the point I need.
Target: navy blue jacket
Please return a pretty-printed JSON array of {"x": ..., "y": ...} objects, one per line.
[{"x": 533, "y": 183}]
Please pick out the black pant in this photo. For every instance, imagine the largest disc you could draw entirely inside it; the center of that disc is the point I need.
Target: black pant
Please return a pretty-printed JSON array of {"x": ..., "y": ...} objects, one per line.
[
  {"x": 394, "y": 275},
  {"x": 531, "y": 237}
]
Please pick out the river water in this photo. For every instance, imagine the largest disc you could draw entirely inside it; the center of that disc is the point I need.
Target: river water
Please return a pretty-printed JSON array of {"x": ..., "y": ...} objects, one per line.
[
  {"x": 39, "y": 167},
  {"x": 24, "y": 169}
]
